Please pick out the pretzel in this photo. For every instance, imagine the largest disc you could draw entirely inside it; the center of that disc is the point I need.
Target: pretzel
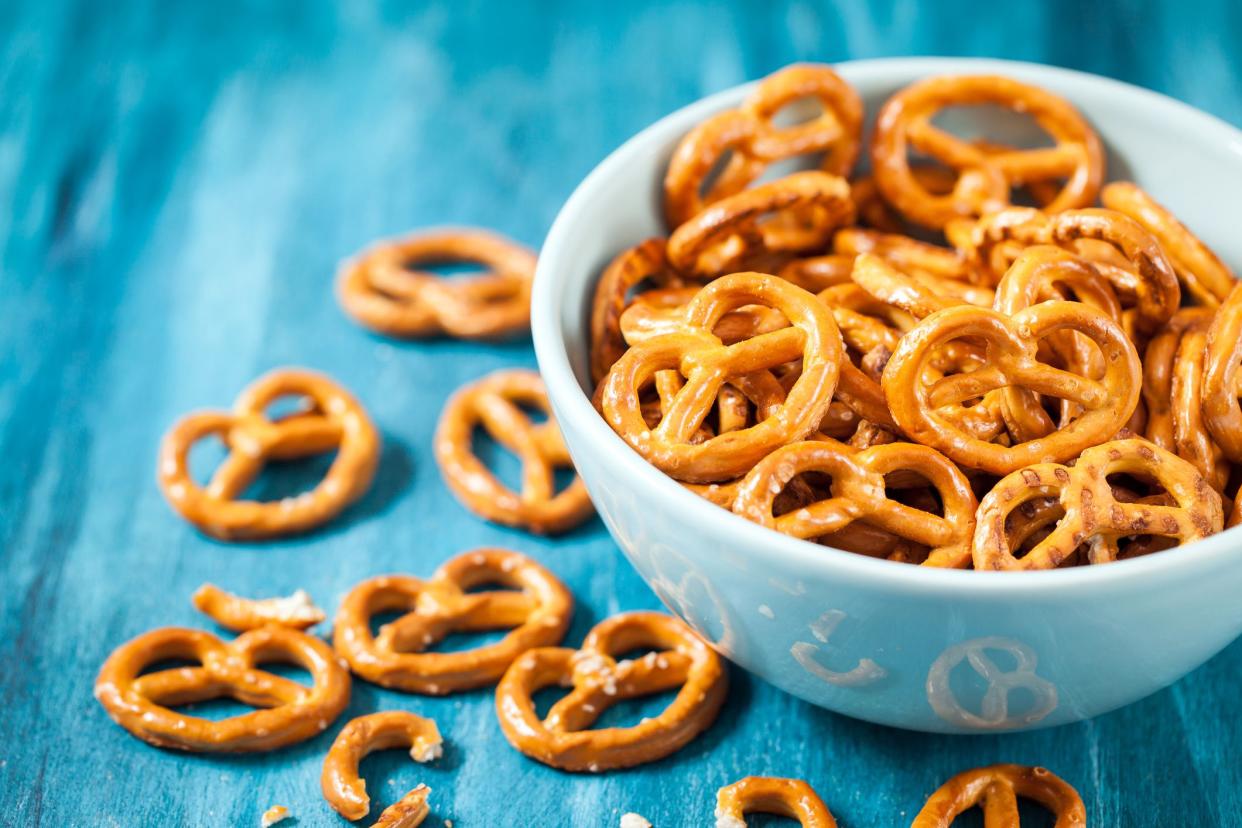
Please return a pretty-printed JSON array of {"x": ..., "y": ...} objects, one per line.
[
  {"x": 663, "y": 311},
  {"x": 562, "y": 738},
  {"x": 925, "y": 410},
  {"x": 707, "y": 364},
  {"x": 330, "y": 419},
  {"x": 790, "y": 798},
  {"x": 380, "y": 291},
  {"x": 877, "y": 214},
  {"x": 346, "y": 791},
  {"x": 241, "y": 614},
  {"x": 985, "y": 178},
  {"x": 536, "y": 615},
  {"x": 996, "y": 789},
  {"x": 1173, "y": 375},
  {"x": 919, "y": 296},
  {"x": 1093, "y": 516},
  {"x": 858, "y": 494},
  {"x": 645, "y": 262},
  {"x": 142, "y": 704},
  {"x": 793, "y": 214},
  {"x": 1222, "y": 377},
  {"x": 493, "y": 403},
  {"x": 753, "y": 141},
  {"x": 1201, "y": 272},
  {"x": 1146, "y": 282}
]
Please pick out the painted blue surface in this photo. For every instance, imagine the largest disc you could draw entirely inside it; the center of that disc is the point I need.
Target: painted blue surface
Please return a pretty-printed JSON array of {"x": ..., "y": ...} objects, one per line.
[{"x": 178, "y": 182}]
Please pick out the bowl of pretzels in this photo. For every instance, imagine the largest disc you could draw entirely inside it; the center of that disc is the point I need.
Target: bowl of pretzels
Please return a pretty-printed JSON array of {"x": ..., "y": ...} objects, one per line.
[{"x": 913, "y": 385}]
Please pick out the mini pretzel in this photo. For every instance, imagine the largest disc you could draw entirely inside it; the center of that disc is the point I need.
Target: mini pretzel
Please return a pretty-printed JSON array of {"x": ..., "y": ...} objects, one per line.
[
  {"x": 1173, "y": 375},
  {"x": 1222, "y": 378},
  {"x": 493, "y": 403},
  {"x": 292, "y": 713},
  {"x": 793, "y": 214},
  {"x": 1202, "y": 273},
  {"x": 346, "y": 791},
  {"x": 379, "y": 290},
  {"x": 996, "y": 789},
  {"x": 1092, "y": 513},
  {"x": 790, "y": 798},
  {"x": 754, "y": 141},
  {"x": 858, "y": 494},
  {"x": 919, "y": 296},
  {"x": 537, "y": 615},
  {"x": 241, "y": 614},
  {"x": 562, "y": 738},
  {"x": 330, "y": 420},
  {"x": 645, "y": 262},
  {"x": 1146, "y": 282},
  {"x": 707, "y": 364},
  {"x": 926, "y": 410},
  {"x": 985, "y": 178}
]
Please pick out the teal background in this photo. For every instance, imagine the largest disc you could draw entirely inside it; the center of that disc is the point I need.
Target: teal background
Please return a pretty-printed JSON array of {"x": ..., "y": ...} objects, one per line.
[{"x": 178, "y": 182}]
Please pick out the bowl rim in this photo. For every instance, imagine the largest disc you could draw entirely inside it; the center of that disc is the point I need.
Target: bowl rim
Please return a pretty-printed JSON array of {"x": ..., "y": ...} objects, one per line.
[{"x": 574, "y": 407}]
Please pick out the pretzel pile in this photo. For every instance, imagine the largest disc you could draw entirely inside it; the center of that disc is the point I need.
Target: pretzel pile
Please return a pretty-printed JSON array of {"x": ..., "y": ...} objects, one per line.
[{"x": 919, "y": 366}]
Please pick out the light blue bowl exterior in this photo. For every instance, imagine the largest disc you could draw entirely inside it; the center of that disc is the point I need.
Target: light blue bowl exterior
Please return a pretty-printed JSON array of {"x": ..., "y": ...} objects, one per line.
[{"x": 960, "y": 652}]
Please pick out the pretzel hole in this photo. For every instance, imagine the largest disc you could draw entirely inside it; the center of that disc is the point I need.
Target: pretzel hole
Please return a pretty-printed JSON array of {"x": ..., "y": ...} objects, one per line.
[
  {"x": 283, "y": 479},
  {"x": 465, "y": 640},
  {"x": 288, "y": 670},
  {"x": 390, "y": 774},
  {"x": 801, "y": 491},
  {"x": 216, "y": 709},
  {"x": 169, "y": 664}
]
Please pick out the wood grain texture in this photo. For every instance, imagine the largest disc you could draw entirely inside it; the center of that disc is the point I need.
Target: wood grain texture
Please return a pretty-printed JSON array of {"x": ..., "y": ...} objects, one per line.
[{"x": 178, "y": 181}]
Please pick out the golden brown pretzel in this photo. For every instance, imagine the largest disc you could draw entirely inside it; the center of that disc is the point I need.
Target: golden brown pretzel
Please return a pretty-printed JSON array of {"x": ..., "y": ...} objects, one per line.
[
  {"x": 378, "y": 289},
  {"x": 985, "y": 177},
  {"x": 642, "y": 263},
  {"x": 996, "y": 789},
  {"x": 536, "y": 614},
  {"x": 493, "y": 403},
  {"x": 1222, "y": 378},
  {"x": 291, "y": 713},
  {"x": 346, "y": 791},
  {"x": 1144, "y": 280},
  {"x": 791, "y": 798},
  {"x": 793, "y": 214},
  {"x": 930, "y": 411},
  {"x": 707, "y": 364},
  {"x": 1093, "y": 516},
  {"x": 331, "y": 419},
  {"x": 1173, "y": 375},
  {"x": 1202, "y": 273},
  {"x": 858, "y": 494},
  {"x": 754, "y": 141},
  {"x": 241, "y": 614},
  {"x": 563, "y": 738},
  {"x": 920, "y": 295}
]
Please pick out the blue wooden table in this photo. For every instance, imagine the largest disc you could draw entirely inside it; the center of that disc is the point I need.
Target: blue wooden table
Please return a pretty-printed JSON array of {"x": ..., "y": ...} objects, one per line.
[{"x": 178, "y": 181}]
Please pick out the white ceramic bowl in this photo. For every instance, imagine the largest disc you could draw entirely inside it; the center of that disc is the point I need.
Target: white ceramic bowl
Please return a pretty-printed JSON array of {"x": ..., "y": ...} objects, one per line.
[{"x": 952, "y": 651}]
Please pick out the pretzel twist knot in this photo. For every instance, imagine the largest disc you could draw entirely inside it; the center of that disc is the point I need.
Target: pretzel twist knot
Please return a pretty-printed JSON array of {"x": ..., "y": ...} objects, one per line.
[
  {"x": 379, "y": 291},
  {"x": 493, "y": 402},
  {"x": 996, "y": 789},
  {"x": 330, "y": 420},
  {"x": 292, "y": 712},
  {"x": 858, "y": 495},
  {"x": 1092, "y": 516},
  {"x": 986, "y": 174},
  {"x": 929, "y": 407},
  {"x": 537, "y": 614},
  {"x": 790, "y": 798},
  {"x": 346, "y": 791},
  {"x": 706, "y": 363},
  {"x": 678, "y": 658},
  {"x": 753, "y": 141}
]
